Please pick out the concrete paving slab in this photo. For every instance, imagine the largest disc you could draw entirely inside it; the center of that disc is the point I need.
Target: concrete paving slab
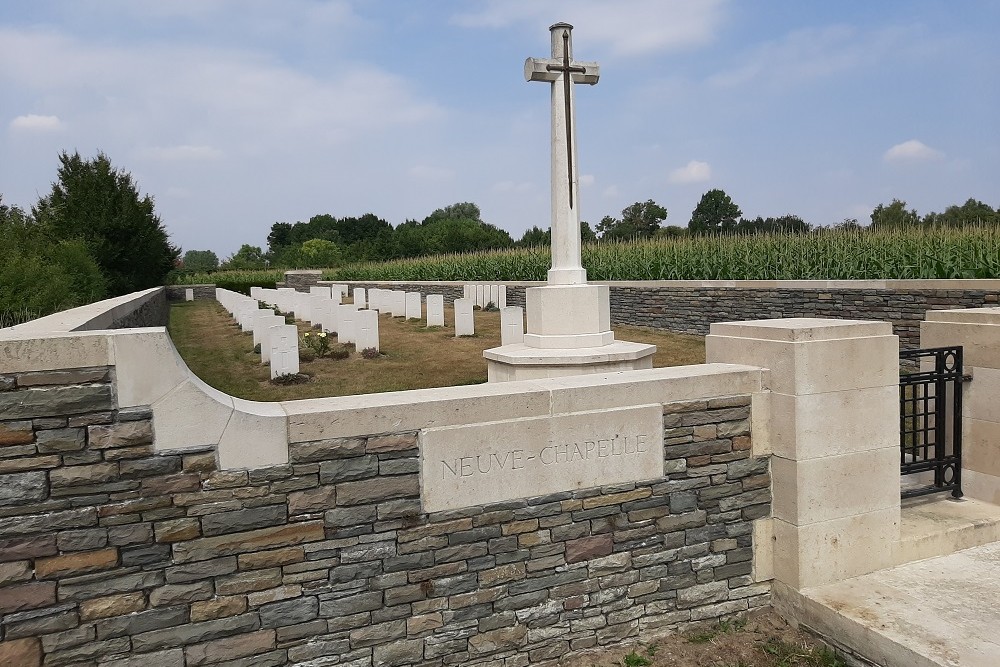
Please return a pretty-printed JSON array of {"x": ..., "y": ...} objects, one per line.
[{"x": 942, "y": 611}]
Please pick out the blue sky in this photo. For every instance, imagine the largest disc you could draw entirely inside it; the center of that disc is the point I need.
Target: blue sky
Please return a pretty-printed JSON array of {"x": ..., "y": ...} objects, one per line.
[{"x": 235, "y": 114}]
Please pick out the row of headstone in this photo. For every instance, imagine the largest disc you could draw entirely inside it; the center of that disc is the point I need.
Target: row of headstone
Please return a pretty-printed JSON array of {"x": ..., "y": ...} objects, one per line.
[
  {"x": 399, "y": 303},
  {"x": 482, "y": 294},
  {"x": 322, "y": 306},
  {"x": 279, "y": 342}
]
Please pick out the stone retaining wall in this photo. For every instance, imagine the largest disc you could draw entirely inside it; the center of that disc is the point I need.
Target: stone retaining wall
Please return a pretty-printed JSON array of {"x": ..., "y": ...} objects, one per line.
[
  {"x": 691, "y": 308},
  {"x": 114, "y": 555},
  {"x": 177, "y": 292}
]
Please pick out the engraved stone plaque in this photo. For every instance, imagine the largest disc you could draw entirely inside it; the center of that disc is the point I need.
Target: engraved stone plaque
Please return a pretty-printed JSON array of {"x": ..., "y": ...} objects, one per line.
[{"x": 475, "y": 464}]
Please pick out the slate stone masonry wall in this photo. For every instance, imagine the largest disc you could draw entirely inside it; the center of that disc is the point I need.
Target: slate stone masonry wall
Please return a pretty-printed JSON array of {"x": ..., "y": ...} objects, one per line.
[
  {"x": 693, "y": 309},
  {"x": 113, "y": 555}
]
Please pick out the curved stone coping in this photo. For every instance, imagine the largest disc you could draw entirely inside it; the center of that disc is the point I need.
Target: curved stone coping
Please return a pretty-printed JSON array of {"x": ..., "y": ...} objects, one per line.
[
  {"x": 92, "y": 317},
  {"x": 188, "y": 414},
  {"x": 954, "y": 284}
]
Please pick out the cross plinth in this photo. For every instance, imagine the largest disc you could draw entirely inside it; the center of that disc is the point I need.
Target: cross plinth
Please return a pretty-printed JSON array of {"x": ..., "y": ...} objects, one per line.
[
  {"x": 569, "y": 321},
  {"x": 561, "y": 71}
]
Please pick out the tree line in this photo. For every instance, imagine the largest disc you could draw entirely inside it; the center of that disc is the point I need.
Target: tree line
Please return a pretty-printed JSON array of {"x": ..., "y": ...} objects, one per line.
[
  {"x": 92, "y": 236},
  {"x": 325, "y": 241}
]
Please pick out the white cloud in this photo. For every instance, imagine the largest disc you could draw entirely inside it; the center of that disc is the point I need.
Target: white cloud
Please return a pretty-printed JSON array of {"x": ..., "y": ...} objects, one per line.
[
  {"x": 911, "y": 151},
  {"x": 813, "y": 53},
  {"x": 627, "y": 27},
  {"x": 183, "y": 153},
  {"x": 693, "y": 172},
  {"x": 587, "y": 180},
  {"x": 35, "y": 123}
]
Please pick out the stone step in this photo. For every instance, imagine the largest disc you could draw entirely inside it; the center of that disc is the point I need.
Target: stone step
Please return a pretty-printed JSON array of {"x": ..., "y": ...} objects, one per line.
[
  {"x": 938, "y": 612},
  {"x": 939, "y": 525}
]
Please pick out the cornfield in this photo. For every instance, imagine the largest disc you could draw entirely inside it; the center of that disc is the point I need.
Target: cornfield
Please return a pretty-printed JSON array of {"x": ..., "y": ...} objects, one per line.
[
  {"x": 821, "y": 255},
  {"x": 970, "y": 252}
]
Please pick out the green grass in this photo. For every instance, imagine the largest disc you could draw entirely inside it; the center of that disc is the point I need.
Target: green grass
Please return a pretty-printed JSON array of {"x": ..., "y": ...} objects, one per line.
[{"x": 413, "y": 356}]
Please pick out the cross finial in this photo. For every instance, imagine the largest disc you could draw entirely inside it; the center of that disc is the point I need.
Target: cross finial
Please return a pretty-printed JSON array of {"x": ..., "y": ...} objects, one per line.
[{"x": 562, "y": 72}]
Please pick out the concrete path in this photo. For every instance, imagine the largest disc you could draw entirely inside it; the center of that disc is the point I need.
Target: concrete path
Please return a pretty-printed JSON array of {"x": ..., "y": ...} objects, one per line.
[{"x": 939, "y": 611}]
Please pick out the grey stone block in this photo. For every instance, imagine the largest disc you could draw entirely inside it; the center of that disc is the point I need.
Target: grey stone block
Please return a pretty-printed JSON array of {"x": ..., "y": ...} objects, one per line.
[
  {"x": 344, "y": 470},
  {"x": 143, "y": 621},
  {"x": 29, "y": 403},
  {"x": 289, "y": 612},
  {"x": 60, "y": 440},
  {"x": 352, "y": 604},
  {"x": 23, "y": 487},
  {"x": 193, "y": 633},
  {"x": 242, "y": 520}
]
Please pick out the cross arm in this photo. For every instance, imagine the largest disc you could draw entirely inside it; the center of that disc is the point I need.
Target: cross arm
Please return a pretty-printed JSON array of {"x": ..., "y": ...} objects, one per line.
[{"x": 547, "y": 69}]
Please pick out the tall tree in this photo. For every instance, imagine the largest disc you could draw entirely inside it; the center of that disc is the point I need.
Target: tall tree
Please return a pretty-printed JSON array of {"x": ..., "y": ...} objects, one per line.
[
  {"x": 972, "y": 212},
  {"x": 40, "y": 274},
  {"x": 715, "y": 213},
  {"x": 641, "y": 219},
  {"x": 200, "y": 260},
  {"x": 247, "y": 257},
  {"x": 101, "y": 205},
  {"x": 894, "y": 215}
]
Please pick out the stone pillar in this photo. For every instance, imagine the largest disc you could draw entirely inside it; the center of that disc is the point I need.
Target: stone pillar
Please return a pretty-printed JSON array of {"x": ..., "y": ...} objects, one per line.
[
  {"x": 831, "y": 423},
  {"x": 977, "y": 330},
  {"x": 302, "y": 279}
]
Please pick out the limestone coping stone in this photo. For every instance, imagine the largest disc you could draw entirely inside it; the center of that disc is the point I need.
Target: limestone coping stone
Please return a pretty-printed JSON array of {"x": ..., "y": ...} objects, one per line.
[
  {"x": 985, "y": 284},
  {"x": 801, "y": 329},
  {"x": 965, "y": 315},
  {"x": 92, "y": 317},
  {"x": 189, "y": 413}
]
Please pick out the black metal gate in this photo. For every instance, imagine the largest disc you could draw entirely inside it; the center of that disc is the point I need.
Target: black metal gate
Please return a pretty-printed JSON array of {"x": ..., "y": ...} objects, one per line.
[{"x": 930, "y": 420}]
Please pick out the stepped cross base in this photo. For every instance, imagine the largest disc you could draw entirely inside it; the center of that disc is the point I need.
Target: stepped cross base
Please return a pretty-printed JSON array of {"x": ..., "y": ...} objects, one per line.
[{"x": 569, "y": 333}]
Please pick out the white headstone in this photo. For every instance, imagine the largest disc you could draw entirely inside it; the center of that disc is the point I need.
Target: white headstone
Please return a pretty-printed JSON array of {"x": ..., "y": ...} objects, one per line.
[
  {"x": 316, "y": 303},
  {"x": 435, "y": 310},
  {"x": 301, "y": 308},
  {"x": 266, "y": 324},
  {"x": 359, "y": 297},
  {"x": 260, "y": 319},
  {"x": 501, "y": 296},
  {"x": 189, "y": 294},
  {"x": 511, "y": 325},
  {"x": 398, "y": 308},
  {"x": 495, "y": 295},
  {"x": 255, "y": 292},
  {"x": 413, "y": 307},
  {"x": 366, "y": 330},
  {"x": 284, "y": 350},
  {"x": 320, "y": 290},
  {"x": 464, "y": 324},
  {"x": 480, "y": 295},
  {"x": 341, "y": 288},
  {"x": 245, "y": 312},
  {"x": 327, "y": 315},
  {"x": 468, "y": 291},
  {"x": 347, "y": 315}
]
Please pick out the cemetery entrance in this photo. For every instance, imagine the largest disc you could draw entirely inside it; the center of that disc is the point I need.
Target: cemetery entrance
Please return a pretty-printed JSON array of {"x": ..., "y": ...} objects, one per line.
[{"x": 930, "y": 420}]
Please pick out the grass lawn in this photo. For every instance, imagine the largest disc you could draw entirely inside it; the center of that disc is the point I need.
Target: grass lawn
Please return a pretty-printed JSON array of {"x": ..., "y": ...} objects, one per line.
[{"x": 413, "y": 356}]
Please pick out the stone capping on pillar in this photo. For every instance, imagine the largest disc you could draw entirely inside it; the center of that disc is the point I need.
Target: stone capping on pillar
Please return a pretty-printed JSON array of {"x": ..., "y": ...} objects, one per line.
[
  {"x": 831, "y": 423},
  {"x": 977, "y": 330}
]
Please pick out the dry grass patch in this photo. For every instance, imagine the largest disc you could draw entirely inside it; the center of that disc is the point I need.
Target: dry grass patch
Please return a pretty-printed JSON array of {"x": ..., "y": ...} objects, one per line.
[{"x": 413, "y": 356}]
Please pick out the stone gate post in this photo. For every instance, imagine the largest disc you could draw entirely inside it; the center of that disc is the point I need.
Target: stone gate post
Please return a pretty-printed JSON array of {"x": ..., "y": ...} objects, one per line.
[
  {"x": 831, "y": 422},
  {"x": 977, "y": 330}
]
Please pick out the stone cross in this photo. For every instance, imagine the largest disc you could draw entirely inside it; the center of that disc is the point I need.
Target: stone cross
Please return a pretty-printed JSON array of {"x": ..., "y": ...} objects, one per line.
[{"x": 562, "y": 72}]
